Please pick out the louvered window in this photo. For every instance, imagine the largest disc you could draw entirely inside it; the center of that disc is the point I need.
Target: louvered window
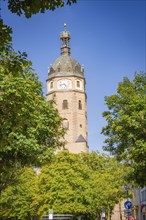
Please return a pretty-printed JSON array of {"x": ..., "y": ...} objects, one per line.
[{"x": 65, "y": 104}]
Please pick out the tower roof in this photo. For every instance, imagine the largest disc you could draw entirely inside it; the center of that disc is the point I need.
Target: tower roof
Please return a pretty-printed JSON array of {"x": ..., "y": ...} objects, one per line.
[{"x": 65, "y": 65}]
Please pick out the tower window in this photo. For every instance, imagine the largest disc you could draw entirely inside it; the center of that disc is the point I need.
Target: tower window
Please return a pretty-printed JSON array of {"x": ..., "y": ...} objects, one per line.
[
  {"x": 51, "y": 85},
  {"x": 78, "y": 83},
  {"x": 65, "y": 104},
  {"x": 65, "y": 123},
  {"x": 65, "y": 42},
  {"x": 80, "y": 104}
]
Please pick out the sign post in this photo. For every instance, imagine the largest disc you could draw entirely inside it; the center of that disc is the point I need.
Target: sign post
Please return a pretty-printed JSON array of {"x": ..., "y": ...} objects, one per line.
[
  {"x": 128, "y": 210},
  {"x": 50, "y": 214},
  {"x": 128, "y": 205}
]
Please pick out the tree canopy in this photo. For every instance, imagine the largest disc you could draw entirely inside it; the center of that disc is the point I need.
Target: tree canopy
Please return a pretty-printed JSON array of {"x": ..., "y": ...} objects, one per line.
[
  {"x": 81, "y": 184},
  {"x": 18, "y": 200},
  {"x": 126, "y": 125},
  {"x": 6, "y": 38},
  {"x": 30, "y": 127},
  {"x": 30, "y": 7}
]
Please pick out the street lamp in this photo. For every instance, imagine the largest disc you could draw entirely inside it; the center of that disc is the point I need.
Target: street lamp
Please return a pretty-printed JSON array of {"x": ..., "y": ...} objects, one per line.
[{"x": 126, "y": 188}]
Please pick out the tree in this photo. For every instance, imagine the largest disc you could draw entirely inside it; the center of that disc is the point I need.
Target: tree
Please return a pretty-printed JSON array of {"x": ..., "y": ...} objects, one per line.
[
  {"x": 80, "y": 184},
  {"x": 105, "y": 182},
  {"x": 30, "y": 7},
  {"x": 19, "y": 200},
  {"x": 63, "y": 185},
  {"x": 5, "y": 33},
  {"x": 126, "y": 128},
  {"x": 30, "y": 127}
]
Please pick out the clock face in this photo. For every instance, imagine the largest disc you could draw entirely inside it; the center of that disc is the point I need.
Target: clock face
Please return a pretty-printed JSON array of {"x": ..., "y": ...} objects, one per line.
[{"x": 64, "y": 84}]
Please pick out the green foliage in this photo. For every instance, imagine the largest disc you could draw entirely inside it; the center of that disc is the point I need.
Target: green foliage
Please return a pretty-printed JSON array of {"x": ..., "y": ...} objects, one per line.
[
  {"x": 106, "y": 182},
  {"x": 126, "y": 129},
  {"x": 19, "y": 200},
  {"x": 30, "y": 127},
  {"x": 63, "y": 185},
  {"x": 5, "y": 33},
  {"x": 81, "y": 184},
  {"x": 30, "y": 7}
]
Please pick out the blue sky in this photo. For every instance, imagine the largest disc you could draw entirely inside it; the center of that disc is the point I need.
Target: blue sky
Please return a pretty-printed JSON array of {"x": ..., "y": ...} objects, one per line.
[{"x": 107, "y": 37}]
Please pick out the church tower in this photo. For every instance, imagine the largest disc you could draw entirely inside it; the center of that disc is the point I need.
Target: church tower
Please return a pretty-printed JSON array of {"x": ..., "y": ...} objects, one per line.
[{"x": 66, "y": 85}]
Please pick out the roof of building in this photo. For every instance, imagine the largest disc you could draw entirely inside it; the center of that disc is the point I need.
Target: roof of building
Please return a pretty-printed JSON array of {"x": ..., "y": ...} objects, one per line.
[{"x": 65, "y": 65}]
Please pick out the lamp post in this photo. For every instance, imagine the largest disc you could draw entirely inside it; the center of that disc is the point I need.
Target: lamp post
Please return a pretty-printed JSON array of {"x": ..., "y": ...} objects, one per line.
[{"x": 126, "y": 188}]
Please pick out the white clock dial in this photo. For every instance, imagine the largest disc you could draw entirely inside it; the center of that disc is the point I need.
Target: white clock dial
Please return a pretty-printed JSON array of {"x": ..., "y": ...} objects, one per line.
[{"x": 64, "y": 84}]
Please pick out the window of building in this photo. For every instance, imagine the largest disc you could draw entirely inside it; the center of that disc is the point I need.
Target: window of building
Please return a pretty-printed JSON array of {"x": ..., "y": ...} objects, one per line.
[
  {"x": 51, "y": 85},
  {"x": 78, "y": 83},
  {"x": 65, "y": 42},
  {"x": 143, "y": 195},
  {"x": 80, "y": 104},
  {"x": 65, "y": 104},
  {"x": 65, "y": 123}
]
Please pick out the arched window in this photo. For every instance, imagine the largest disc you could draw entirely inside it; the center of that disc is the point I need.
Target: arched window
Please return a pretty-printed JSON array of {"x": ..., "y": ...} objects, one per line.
[
  {"x": 80, "y": 104},
  {"x": 65, "y": 123},
  {"x": 65, "y": 104},
  {"x": 78, "y": 83}
]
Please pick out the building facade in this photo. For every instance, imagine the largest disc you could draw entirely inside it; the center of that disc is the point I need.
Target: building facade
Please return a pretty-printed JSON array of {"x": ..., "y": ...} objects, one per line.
[
  {"x": 66, "y": 86},
  {"x": 138, "y": 206},
  {"x": 143, "y": 203}
]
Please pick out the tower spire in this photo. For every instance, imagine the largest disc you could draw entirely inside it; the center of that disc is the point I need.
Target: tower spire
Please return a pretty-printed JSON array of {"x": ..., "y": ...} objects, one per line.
[{"x": 65, "y": 41}]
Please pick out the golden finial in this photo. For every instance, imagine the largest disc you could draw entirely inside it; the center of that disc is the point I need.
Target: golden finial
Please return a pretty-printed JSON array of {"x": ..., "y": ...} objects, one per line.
[{"x": 65, "y": 25}]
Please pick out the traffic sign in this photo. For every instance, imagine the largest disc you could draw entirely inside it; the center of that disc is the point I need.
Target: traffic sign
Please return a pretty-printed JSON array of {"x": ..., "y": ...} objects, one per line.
[
  {"x": 128, "y": 205},
  {"x": 127, "y": 212}
]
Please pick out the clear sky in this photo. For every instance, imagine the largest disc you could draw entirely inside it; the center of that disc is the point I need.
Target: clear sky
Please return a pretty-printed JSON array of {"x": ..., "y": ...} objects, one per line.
[{"x": 107, "y": 37}]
